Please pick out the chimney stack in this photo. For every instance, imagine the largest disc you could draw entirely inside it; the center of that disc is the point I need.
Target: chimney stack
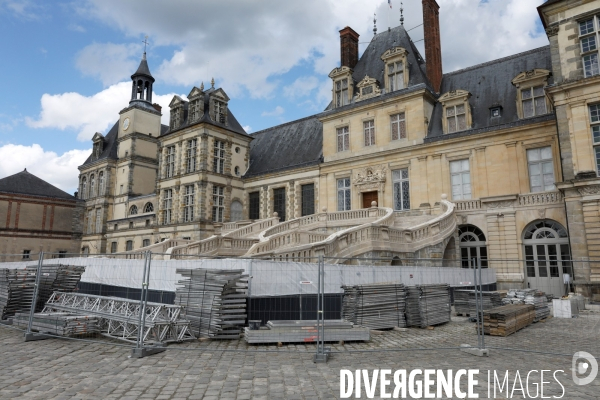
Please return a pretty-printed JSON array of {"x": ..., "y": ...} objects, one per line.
[
  {"x": 433, "y": 47},
  {"x": 349, "y": 47}
]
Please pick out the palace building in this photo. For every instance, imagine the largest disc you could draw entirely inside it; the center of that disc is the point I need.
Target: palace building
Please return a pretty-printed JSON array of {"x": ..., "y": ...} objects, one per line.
[{"x": 494, "y": 164}]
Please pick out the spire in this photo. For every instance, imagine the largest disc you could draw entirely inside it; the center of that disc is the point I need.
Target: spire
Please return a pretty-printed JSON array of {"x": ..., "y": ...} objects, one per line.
[
  {"x": 374, "y": 24},
  {"x": 202, "y": 86},
  {"x": 212, "y": 83},
  {"x": 401, "y": 14}
]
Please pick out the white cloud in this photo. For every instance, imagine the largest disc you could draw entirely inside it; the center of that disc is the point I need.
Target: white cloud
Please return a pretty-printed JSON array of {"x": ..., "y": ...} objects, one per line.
[
  {"x": 247, "y": 128},
  {"x": 59, "y": 170},
  {"x": 109, "y": 62},
  {"x": 275, "y": 113},
  {"x": 24, "y": 9},
  {"x": 76, "y": 28},
  {"x": 89, "y": 114},
  {"x": 301, "y": 87}
]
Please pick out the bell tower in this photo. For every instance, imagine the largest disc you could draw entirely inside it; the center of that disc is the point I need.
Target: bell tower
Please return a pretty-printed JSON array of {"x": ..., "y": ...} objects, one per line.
[{"x": 141, "y": 85}]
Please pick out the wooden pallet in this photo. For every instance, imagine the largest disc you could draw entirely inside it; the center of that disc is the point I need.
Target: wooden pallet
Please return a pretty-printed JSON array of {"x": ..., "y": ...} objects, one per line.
[{"x": 508, "y": 319}]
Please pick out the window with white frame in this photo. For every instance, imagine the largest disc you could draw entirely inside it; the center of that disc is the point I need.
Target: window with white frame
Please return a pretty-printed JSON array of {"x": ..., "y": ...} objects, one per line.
[
  {"x": 341, "y": 93},
  {"x": 92, "y": 186},
  {"x": 190, "y": 155},
  {"x": 595, "y": 127},
  {"x": 588, "y": 37},
  {"x": 194, "y": 110},
  {"x": 101, "y": 188},
  {"x": 170, "y": 162},
  {"x": 98, "y": 220},
  {"x": 456, "y": 118},
  {"x": 218, "y": 203},
  {"x": 219, "y": 112},
  {"x": 167, "y": 206},
  {"x": 369, "y": 131},
  {"x": 401, "y": 189},
  {"x": 460, "y": 177},
  {"x": 541, "y": 169},
  {"x": 343, "y": 194},
  {"x": 534, "y": 101},
  {"x": 396, "y": 75},
  {"x": 398, "y": 126},
  {"x": 188, "y": 204},
  {"x": 219, "y": 157},
  {"x": 343, "y": 138}
]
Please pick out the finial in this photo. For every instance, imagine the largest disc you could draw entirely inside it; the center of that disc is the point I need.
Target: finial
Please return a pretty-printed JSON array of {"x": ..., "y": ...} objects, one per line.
[
  {"x": 374, "y": 24},
  {"x": 401, "y": 14},
  {"x": 212, "y": 83},
  {"x": 145, "y": 44},
  {"x": 202, "y": 86}
]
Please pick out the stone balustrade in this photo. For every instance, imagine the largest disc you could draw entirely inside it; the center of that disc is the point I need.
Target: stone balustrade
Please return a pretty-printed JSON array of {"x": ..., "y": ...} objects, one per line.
[{"x": 534, "y": 199}]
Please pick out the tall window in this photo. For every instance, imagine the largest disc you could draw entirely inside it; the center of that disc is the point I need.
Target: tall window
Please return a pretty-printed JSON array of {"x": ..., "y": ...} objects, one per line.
[
  {"x": 457, "y": 118},
  {"x": 401, "y": 189},
  {"x": 145, "y": 242},
  {"x": 113, "y": 247},
  {"x": 308, "y": 199},
  {"x": 369, "y": 130},
  {"x": 279, "y": 203},
  {"x": 129, "y": 245},
  {"x": 133, "y": 210},
  {"x": 170, "y": 164},
  {"x": 219, "y": 112},
  {"x": 219, "y": 157},
  {"x": 460, "y": 177},
  {"x": 101, "y": 188},
  {"x": 343, "y": 138},
  {"x": 472, "y": 247},
  {"x": 149, "y": 207},
  {"x": 218, "y": 203},
  {"x": 534, "y": 101},
  {"x": 98, "y": 220},
  {"x": 92, "y": 186},
  {"x": 168, "y": 206},
  {"x": 343, "y": 194},
  {"x": 90, "y": 222},
  {"x": 176, "y": 114},
  {"x": 237, "y": 211},
  {"x": 541, "y": 169},
  {"x": 188, "y": 204},
  {"x": 83, "y": 188},
  {"x": 341, "y": 93},
  {"x": 588, "y": 37},
  {"x": 396, "y": 76},
  {"x": 254, "y": 207},
  {"x": 595, "y": 126},
  {"x": 190, "y": 155},
  {"x": 398, "y": 126},
  {"x": 194, "y": 111}
]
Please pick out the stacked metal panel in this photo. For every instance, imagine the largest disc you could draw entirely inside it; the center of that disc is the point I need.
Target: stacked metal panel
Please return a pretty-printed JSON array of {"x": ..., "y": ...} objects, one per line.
[
  {"x": 461, "y": 302},
  {"x": 60, "y": 324},
  {"x": 306, "y": 332},
  {"x": 540, "y": 302},
  {"x": 57, "y": 277},
  {"x": 16, "y": 291},
  {"x": 376, "y": 306},
  {"x": 214, "y": 301},
  {"x": 428, "y": 305}
]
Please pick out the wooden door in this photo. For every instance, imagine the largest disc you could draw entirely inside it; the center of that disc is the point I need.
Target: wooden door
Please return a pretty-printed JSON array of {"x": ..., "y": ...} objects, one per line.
[{"x": 368, "y": 198}]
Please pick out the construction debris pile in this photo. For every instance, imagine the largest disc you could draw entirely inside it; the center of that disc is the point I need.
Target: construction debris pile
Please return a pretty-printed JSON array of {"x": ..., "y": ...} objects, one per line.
[
  {"x": 120, "y": 318},
  {"x": 533, "y": 297},
  {"x": 17, "y": 286},
  {"x": 428, "y": 305},
  {"x": 507, "y": 319},
  {"x": 214, "y": 301},
  {"x": 60, "y": 324},
  {"x": 306, "y": 332},
  {"x": 376, "y": 306},
  {"x": 464, "y": 301}
]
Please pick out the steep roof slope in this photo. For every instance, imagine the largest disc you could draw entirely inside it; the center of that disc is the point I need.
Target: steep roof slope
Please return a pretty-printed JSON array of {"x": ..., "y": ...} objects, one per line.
[{"x": 29, "y": 184}]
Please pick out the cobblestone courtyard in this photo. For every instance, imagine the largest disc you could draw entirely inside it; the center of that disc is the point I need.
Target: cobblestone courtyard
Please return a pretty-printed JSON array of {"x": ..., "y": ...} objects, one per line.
[{"x": 102, "y": 369}]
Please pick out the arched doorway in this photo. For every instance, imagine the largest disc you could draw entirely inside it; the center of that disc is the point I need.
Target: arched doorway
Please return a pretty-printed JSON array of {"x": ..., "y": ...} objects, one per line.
[
  {"x": 473, "y": 246},
  {"x": 547, "y": 257},
  {"x": 236, "y": 211},
  {"x": 396, "y": 261}
]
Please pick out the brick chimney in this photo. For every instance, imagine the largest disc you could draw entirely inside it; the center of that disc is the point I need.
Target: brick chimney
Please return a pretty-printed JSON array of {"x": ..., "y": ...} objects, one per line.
[
  {"x": 433, "y": 47},
  {"x": 349, "y": 47}
]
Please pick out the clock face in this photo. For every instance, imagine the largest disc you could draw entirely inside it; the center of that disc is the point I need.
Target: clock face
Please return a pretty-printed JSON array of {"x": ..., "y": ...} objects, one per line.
[{"x": 126, "y": 123}]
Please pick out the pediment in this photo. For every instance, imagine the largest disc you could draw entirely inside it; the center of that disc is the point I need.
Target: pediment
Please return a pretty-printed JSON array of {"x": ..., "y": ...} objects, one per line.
[
  {"x": 196, "y": 92},
  {"x": 394, "y": 52},
  {"x": 534, "y": 74},
  {"x": 177, "y": 101},
  {"x": 343, "y": 70},
  {"x": 98, "y": 137},
  {"x": 220, "y": 93},
  {"x": 367, "y": 80},
  {"x": 454, "y": 94}
]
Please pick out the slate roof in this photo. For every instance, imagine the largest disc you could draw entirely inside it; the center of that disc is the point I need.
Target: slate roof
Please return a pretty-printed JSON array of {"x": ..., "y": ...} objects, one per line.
[
  {"x": 292, "y": 145},
  {"x": 490, "y": 84},
  {"x": 232, "y": 122},
  {"x": 29, "y": 184},
  {"x": 143, "y": 69}
]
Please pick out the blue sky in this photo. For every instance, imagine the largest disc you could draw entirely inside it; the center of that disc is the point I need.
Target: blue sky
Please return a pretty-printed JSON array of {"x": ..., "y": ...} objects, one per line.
[{"x": 66, "y": 64}]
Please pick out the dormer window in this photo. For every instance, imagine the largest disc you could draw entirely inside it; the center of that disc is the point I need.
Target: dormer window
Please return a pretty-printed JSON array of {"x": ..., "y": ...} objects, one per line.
[
  {"x": 218, "y": 106},
  {"x": 98, "y": 146},
  {"x": 367, "y": 88},
  {"x": 219, "y": 112},
  {"x": 177, "y": 112},
  {"x": 457, "y": 111},
  {"x": 495, "y": 112},
  {"x": 196, "y": 104},
  {"x": 343, "y": 86},
  {"x": 195, "y": 113},
  {"x": 396, "y": 69},
  {"x": 531, "y": 97},
  {"x": 341, "y": 93}
]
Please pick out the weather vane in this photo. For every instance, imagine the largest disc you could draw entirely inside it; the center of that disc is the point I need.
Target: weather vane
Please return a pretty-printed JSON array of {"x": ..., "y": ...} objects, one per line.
[{"x": 145, "y": 42}]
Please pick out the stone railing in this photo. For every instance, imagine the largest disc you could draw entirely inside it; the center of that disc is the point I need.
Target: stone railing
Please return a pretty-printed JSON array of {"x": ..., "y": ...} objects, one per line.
[
  {"x": 467, "y": 205},
  {"x": 255, "y": 227},
  {"x": 214, "y": 245},
  {"x": 232, "y": 226},
  {"x": 534, "y": 199},
  {"x": 157, "y": 248}
]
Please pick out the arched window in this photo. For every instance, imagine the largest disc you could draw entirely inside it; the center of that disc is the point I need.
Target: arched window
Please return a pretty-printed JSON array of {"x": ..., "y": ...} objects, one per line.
[
  {"x": 133, "y": 210},
  {"x": 472, "y": 246},
  {"x": 236, "y": 211},
  {"x": 83, "y": 187},
  {"x": 547, "y": 256},
  {"x": 92, "y": 184},
  {"x": 148, "y": 208},
  {"x": 101, "y": 184}
]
